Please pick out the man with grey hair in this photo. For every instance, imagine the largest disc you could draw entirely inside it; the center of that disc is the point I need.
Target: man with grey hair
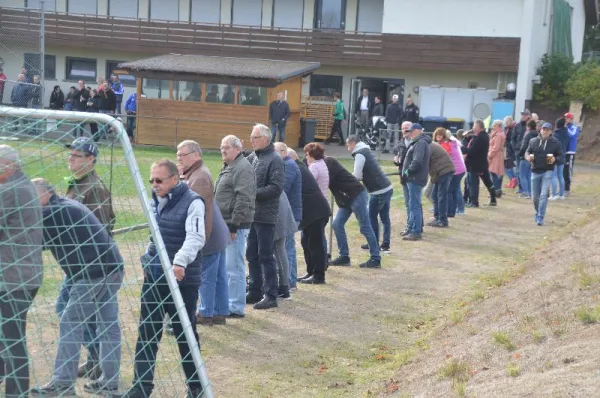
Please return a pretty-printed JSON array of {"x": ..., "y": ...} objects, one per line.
[
  {"x": 21, "y": 241},
  {"x": 269, "y": 172},
  {"x": 476, "y": 160},
  {"x": 235, "y": 194}
]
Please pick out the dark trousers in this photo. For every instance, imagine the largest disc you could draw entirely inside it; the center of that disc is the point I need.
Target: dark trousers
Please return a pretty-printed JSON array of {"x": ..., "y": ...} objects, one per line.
[
  {"x": 336, "y": 128},
  {"x": 439, "y": 195},
  {"x": 260, "y": 248},
  {"x": 568, "y": 170},
  {"x": 156, "y": 302},
  {"x": 14, "y": 363},
  {"x": 474, "y": 186},
  {"x": 130, "y": 125},
  {"x": 314, "y": 250}
]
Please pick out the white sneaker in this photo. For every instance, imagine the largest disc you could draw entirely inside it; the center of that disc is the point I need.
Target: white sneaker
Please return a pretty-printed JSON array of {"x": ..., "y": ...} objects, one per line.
[
  {"x": 562, "y": 197},
  {"x": 553, "y": 197}
]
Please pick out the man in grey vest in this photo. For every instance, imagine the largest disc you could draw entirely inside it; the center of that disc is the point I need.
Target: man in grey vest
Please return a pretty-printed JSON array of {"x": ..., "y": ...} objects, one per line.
[
  {"x": 367, "y": 170},
  {"x": 179, "y": 213}
]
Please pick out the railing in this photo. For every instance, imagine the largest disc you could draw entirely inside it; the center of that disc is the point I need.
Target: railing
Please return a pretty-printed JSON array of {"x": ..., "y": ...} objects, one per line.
[{"x": 327, "y": 46}]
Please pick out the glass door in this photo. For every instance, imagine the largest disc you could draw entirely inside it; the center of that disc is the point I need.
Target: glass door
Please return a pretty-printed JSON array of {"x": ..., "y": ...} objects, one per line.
[
  {"x": 395, "y": 87},
  {"x": 355, "y": 87},
  {"x": 330, "y": 14}
]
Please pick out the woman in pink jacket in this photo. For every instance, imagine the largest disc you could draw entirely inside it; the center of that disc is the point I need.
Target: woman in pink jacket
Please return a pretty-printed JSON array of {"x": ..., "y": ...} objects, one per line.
[
  {"x": 314, "y": 156},
  {"x": 496, "y": 155},
  {"x": 456, "y": 203}
]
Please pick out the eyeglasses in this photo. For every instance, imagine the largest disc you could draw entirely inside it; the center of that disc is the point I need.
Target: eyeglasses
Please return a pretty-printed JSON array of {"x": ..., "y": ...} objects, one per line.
[
  {"x": 180, "y": 155},
  {"x": 255, "y": 137},
  {"x": 74, "y": 155},
  {"x": 159, "y": 180}
]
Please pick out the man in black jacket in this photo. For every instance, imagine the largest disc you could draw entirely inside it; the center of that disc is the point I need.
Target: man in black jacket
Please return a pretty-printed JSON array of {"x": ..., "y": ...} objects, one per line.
[
  {"x": 80, "y": 104},
  {"x": 415, "y": 173},
  {"x": 477, "y": 165},
  {"x": 411, "y": 112},
  {"x": 543, "y": 153},
  {"x": 315, "y": 215},
  {"x": 393, "y": 118},
  {"x": 364, "y": 105},
  {"x": 399, "y": 155},
  {"x": 351, "y": 197},
  {"x": 279, "y": 113},
  {"x": 269, "y": 171},
  {"x": 515, "y": 142},
  {"x": 90, "y": 258}
]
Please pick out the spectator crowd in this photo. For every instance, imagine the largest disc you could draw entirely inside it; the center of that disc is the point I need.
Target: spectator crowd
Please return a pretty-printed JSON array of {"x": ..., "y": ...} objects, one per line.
[{"x": 251, "y": 212}]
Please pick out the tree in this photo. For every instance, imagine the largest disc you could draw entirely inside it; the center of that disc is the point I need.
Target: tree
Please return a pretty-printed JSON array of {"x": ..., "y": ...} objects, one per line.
[
  {"x": 584, "y": 85},
  {"x": 591, "y": 39},
  {"x": 555, "y": 71}
]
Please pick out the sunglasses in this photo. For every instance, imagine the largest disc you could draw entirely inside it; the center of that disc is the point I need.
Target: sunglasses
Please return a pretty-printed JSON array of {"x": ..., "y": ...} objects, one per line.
[{"x": 159, "y": 180}]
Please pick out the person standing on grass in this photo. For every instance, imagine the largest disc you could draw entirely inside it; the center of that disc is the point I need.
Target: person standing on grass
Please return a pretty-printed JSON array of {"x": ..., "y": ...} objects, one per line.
[
  {"x": 399, "y": 155},
  {"x": 393, "y": 117},
  {"x": 476, "y": 160},
  {"x": 84, "y": 249},
  {"x": 131, "y": 110},
  {"x": 415, "y": 170},
  {"x": 214, "y": 298},
  {"x": 496, "y": 155},
  {"x": 315, "y": 215},
  {"x": 515, "y": 141},
  {"x": 279, "y": 113},
  {"x": 80, "y": 104},
  {"x": 574, "y": 132},
  {"x": 21, "y": 239},
  {"x": 509, "y": 131},
  {"x": 292, "y": 186},
  {"x": 525, "y": 166},
  {"x": 286, "y": 225},
  {"x": 269, "y": 172},
  {"x": 542, "y": 152},
  {"x": 179, "y": 213},
  {"x": 86, "y": 187},
  {"x": 558, "y": 179},
  {"x": 441, "y": 172},
  {"x": 379, "y": 187},
  {"x": 235, "y": 194},
  {"x": 351, "y": 197}
]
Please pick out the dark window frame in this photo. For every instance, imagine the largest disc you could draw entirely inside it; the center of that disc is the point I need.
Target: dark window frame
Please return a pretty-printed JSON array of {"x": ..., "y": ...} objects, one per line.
[
  {"x": 109, "y": 71},
  {"x": 338, "y": 89},
  {"x": 71, "y": 77},
  {"x": 48, "y": 58},
  {"x": 318, "y": 11}
]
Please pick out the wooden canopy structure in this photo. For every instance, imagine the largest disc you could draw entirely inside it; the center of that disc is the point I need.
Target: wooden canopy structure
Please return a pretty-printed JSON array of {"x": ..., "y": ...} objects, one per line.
[{"x": 206, "y": 98}]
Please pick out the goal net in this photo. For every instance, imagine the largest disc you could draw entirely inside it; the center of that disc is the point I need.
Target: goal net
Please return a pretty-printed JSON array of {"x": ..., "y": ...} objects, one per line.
[{"x": 40, "y": 138}]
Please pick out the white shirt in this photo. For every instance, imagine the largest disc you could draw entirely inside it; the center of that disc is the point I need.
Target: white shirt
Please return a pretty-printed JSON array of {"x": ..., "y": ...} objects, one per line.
[{"x": 364, "y": 105}]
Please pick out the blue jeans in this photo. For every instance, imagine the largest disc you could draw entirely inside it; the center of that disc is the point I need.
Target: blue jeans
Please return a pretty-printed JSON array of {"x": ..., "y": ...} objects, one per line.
[
  {"x": 89, "y": 332},
  {"x": 281, "y": 128},
  {"x": 525, "y": 177},
  {"x": 455, "y": 196},
  {"x": 439, "y": 196},
  {"x": 358, "y": 206},
  {"x": 415, "y": 211},
  {"x": 379, "y": 205},
  {"x": 558, "y": 178},
  {"x": 510, "y": 173},
  {"x": 290, "y": 248},
  {"x": 214, "y": 295},
  {"x": 260, "y": 253},
  {"x": 94, "y": 299},
  {"x": 497, "y": 181},
  {"x": 236, "y": 272},
  {"x": 540, "y": 186}
]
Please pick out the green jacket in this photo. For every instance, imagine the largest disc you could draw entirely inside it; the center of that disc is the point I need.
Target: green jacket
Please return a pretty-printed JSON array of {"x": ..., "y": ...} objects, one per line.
[
  {"x": 91, "y": 192},
  {"x": 338, "y": 113}
]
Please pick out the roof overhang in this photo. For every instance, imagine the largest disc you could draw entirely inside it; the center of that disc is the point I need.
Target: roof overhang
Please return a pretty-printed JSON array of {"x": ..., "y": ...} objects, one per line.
[{"x": 592, "y": 11}]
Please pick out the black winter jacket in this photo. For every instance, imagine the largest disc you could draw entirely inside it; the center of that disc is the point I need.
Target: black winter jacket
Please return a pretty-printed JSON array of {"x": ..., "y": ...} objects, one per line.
[
  {"x": 57, "y": 100},
  {"x": 510, "y": 152},
  {"x": 80, "y": 99},
  {"x": 411, "y": 113},
  {"x": 517, "y": 137},
  {"x": 394, "y": 114},
  {"x": 416, "y": 163},
  {"x": 400, "y": 151},
  {"x": 279, "y": 112},
  {"x": 269, "y": 172},
  {"x": 378, "y": 110},
  {"x": 314, "y": 204},
  {"x": 477, "y": 152},
  {"x": 108, "y": 101},
  {"x": 540, "y": 148},
  {"x": 562, "y": 135},
  {"x": 342, "y": 184},
  {"x": 525, "y": 143}
]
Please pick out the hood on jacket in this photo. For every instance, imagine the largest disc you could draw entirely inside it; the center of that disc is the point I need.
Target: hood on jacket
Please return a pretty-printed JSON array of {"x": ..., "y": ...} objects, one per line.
[
  {"x": 425, "y": 137},
  {"x": 359, "y": 146}
]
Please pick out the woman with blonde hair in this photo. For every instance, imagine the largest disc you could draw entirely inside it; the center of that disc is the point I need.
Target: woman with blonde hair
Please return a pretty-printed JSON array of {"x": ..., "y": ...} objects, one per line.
[{"x": 496, "y": 155}]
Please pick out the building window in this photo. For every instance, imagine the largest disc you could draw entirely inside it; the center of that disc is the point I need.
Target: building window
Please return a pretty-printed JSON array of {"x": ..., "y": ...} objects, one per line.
[
  {"x": 205, "y": 11},
  {"x": 187, "y": 91},
  {"x": 49, "y": 5},
  {"x": 249, "y": 95},
  {"x": 127, "y": 80},
  {"x": 164, "y": 10},
  {"x": 325, "y": 85},
  {"x": 156, "y": 89},
  {"x": 247, "y": 12},
  {"x": 288, "y": 13},
  {"x": 220, "y": 93},
  {"x": 81, "y": 69},
  {"x": 82, "y": 7},
  {"x": 123, "y": 8},
  {"x": 50, "y": 66}
]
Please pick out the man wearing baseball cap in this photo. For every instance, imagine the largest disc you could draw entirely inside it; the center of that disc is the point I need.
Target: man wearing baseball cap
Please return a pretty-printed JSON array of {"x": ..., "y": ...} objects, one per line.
[
  {"x": 543, "y": 152},
  {"x": 574, "y": 132},
  {"x": 86, "y": 187},
  {"x": 393, "y": 117}
]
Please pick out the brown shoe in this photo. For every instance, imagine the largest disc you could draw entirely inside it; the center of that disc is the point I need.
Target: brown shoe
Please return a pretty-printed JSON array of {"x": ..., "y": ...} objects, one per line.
[
  {"x": 203, "y": 320},
  {"x": 219, "y": 320}
]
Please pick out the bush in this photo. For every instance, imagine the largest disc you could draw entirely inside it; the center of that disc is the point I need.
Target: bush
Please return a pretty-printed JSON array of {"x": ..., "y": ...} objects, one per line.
[
  {"x": 584, "y": 85},
  {"x": 554, "y": 73}
]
